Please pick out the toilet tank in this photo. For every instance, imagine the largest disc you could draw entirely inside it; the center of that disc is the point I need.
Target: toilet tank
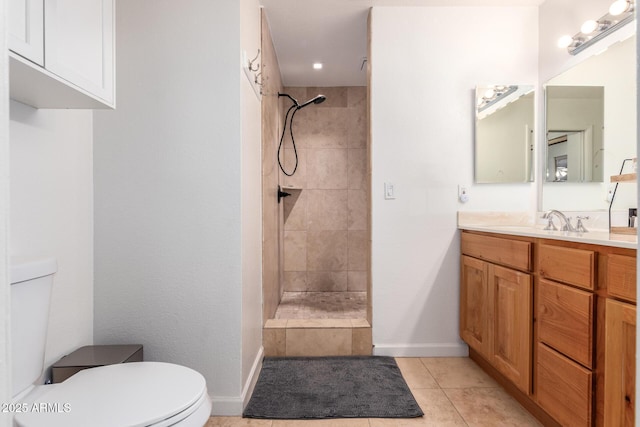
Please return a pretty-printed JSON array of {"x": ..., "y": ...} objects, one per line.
[{"x": 31, "y": 282}]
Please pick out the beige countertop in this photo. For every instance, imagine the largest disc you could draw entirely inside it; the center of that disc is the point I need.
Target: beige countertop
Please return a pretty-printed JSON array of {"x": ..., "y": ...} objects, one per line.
[{"x": 522, "y": 224}]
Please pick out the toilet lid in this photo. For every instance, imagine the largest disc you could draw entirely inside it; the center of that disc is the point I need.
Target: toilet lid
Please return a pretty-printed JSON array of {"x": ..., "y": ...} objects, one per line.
[{"x": 127, "y": 394}]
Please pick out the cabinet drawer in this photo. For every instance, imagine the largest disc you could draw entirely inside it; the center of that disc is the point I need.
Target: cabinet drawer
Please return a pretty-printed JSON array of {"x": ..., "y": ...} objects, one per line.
[
  {"x": 621, "y": 276},
  {"x": 564, "y": 388},
  {"x": 568, "y": 265},
  {"x": 512, "y": 253},
  {"x": 565, "y": 320}
]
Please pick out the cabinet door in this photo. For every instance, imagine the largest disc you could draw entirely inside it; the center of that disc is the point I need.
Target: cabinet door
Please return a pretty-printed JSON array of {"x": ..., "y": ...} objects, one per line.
[
  {"x": 510, "y": 294},
  {"x": 26, "y": 29},
  {"x": 474, "y": 305},
  {"x": 80, "y": 46},
  {"x": 620, "y": 362}
]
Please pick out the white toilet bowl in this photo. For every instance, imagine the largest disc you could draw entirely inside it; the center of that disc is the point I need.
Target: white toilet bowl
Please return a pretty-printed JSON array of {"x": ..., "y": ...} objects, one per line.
[
  {"x": 123, "y": 395},
  {"x": 128, "y": 394}
]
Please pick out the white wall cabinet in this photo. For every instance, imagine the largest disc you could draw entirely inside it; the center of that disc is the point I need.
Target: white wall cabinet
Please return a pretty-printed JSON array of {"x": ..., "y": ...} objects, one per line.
[
  {"x": 26, "y": 29},
  {"x": 77, "y": 68}
]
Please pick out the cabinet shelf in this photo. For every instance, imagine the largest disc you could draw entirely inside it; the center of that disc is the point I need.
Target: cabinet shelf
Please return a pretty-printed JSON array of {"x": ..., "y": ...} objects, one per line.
[
  {"x": 625, "y": 177},
  {"x": 623, "y": 230}
]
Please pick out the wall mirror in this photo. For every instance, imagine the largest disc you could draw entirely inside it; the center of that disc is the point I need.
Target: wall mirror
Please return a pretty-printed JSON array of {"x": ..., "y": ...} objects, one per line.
[
  {"x": 590, "y": 125},
  {"x": 504, "y": 138}
]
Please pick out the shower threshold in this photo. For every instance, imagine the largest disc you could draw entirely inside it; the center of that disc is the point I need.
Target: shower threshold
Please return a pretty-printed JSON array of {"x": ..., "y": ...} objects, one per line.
[
  {"x": 319, "y": 324},
  {"x": 322, "y": 305}
]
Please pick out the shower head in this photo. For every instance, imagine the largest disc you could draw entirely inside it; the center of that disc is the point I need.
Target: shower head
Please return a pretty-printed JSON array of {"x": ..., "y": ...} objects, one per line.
[{"x": 317, "y": 100}]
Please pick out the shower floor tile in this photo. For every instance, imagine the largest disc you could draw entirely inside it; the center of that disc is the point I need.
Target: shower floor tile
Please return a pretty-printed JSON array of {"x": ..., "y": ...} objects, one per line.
[{"x": 322, "y": 305}]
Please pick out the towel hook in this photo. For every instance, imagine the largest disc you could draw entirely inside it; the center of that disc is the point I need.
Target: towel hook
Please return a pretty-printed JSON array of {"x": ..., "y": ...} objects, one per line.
[{"x": 250, "y": 65}]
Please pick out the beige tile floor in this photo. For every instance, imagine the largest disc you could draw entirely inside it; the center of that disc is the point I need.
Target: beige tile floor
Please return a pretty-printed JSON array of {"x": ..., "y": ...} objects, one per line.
[
  {"x": 450, "y": 391},
  {"x": 322, "y": 305}
]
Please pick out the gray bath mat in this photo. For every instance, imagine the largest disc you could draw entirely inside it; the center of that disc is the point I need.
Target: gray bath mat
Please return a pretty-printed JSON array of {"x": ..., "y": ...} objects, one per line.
[{"x": 331, "y": 387}]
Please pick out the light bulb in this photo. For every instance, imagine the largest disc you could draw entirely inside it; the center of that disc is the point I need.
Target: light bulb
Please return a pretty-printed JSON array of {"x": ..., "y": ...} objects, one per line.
[
  {"x": 589, "y": 27},
  {"x": 618, "y": 7},
  {"x": 317, "y": 65},
  {"x": 489, "y": 94},
  {"x": 565, "y": 41}
]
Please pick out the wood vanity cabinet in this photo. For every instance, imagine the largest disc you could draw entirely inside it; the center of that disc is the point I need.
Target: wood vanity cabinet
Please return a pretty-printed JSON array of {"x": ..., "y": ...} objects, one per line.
[
  {"x": 496, "y": 301},
  {"x": 554, "y": 322}
]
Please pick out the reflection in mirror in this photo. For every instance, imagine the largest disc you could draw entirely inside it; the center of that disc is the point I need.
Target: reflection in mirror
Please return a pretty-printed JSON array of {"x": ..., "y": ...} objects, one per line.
[
  {"x": 575, "y": 118},
  {"x": 608, "y": 77},
  {"x": 504, "y": 133}
]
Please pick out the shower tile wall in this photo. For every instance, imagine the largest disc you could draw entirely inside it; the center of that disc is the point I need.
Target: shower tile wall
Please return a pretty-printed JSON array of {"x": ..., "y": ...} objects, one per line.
[
  {"x": 271, "y": 210},
  {"x": 325, "y": 222}
]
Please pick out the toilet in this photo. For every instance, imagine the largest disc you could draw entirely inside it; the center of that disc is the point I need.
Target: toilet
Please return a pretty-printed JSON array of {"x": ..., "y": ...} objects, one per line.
[{"x": 127, "y": 394}]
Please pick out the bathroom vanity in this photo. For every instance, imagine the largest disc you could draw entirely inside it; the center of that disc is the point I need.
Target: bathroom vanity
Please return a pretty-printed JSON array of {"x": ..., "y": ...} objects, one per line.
[{"x": 551, "y": 316}]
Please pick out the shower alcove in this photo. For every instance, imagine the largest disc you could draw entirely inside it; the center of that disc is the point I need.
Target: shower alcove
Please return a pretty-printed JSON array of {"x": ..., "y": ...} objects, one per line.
[{"x": 316, "y": 240}]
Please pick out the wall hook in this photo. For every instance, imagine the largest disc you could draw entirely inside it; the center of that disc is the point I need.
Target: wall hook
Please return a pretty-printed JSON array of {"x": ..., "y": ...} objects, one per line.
[{"x": 251, "y": 65}]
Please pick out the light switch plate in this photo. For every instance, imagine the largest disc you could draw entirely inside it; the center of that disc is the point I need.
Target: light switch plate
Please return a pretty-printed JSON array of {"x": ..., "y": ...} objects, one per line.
[{"x": 389, "y": 191}]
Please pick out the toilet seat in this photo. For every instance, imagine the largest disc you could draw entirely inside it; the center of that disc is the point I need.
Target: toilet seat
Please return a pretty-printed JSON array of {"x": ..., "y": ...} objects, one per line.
[{"x": 128, "y": 394}]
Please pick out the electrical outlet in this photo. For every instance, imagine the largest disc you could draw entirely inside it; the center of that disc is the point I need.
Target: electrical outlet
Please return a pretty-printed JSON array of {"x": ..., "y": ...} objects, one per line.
[{"x": 463, "y": 194}]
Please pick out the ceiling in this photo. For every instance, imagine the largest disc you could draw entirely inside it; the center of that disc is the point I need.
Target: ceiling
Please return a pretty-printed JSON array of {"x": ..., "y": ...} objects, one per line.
[{"x": 334, "y": 32}]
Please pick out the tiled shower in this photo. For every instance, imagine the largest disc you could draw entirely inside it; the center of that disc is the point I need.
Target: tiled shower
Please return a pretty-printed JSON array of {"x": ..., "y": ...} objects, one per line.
[
  {"x": 316, "y": 242},
  {"x": 325, "y": 218}
]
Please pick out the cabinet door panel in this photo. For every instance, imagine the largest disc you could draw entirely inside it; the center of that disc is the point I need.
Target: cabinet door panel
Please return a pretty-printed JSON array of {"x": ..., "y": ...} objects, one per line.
[
  {"x": 510, "y": 293},
  {"x": 26, "y": 29},
  {"x": 85, "y": 61},
  {"x": 474, "y": 308},
  {"x": 620, "y": 362},
  {"x": 565, "y": 320},
  {"x": 564, "y": 388}
]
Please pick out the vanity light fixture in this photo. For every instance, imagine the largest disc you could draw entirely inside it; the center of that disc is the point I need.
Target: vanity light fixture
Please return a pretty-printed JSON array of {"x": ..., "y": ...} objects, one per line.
[
  {"x": 317, "y": 65},
  {"x": 620, "y": 13},
  {"x": 493, "y": 95}
]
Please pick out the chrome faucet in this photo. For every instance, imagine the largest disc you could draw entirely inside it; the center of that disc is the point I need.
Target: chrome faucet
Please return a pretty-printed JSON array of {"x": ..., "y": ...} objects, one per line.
[
  {"x": 579, "y": 226},
  {"x": 548, "y": 215}
]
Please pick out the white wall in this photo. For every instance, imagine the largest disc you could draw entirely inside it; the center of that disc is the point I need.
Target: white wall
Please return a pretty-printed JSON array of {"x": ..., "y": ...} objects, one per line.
[
  {"x": 426, "y": 63},
  {"x": 52, "y": 213},
  {"x": 175, "y": 251},
  {"x": 5, "y": 310},
  {"x": 251, "y": 181}
]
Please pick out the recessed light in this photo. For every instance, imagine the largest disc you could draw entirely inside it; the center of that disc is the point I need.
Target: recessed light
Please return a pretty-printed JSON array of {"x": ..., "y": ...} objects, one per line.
[{"x": 317, "y": 65}]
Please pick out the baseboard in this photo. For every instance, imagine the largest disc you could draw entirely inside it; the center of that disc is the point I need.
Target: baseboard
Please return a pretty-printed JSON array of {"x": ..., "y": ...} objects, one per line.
[
  {"x": 250, "y": 384},
  {"x": 229, "y": 406},
  {"x": 226, "y": 406},
  {"x": 422, "y": 350}
]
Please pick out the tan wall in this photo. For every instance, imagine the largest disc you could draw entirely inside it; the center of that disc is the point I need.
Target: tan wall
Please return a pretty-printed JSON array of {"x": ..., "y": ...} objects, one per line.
[
  {"x": 271, "y": 216},
  {"x": 325, "y": 223}
]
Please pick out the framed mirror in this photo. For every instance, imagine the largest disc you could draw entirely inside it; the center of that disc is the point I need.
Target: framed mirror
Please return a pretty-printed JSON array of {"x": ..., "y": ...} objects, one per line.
[{"x": 504, "y": 134}]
